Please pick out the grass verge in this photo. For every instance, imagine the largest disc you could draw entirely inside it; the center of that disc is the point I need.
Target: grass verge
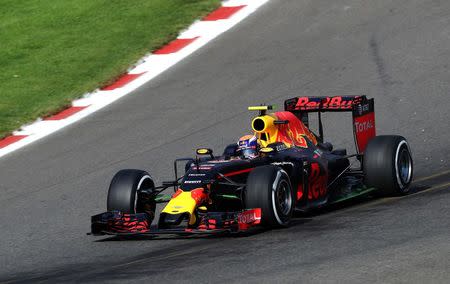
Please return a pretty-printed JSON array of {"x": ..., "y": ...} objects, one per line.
[{"x": 52, "y": 52}]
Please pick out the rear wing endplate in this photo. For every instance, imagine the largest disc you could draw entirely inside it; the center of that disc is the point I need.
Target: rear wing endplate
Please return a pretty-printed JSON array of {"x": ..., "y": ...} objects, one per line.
[{"x": 362, "y": 109}]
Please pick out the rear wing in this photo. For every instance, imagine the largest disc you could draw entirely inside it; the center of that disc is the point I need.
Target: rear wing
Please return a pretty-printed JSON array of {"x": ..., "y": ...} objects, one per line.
[{"x": 362, "y": 113}]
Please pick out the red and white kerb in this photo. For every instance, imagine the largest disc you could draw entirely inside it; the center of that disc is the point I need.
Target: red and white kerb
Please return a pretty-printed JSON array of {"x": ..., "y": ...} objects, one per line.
[{"x": 190, "y": 40}]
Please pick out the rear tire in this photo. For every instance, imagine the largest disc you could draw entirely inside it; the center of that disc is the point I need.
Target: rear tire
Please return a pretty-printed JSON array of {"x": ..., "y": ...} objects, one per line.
[
  {"x": 269, "y": 188},
  {"x": 123, "y": 193},
  {"x": 388, "y": 165}
]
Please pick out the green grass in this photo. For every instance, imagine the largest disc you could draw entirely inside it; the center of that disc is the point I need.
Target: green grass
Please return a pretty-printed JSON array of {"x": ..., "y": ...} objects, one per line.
[{"x": 53, "y": 51}]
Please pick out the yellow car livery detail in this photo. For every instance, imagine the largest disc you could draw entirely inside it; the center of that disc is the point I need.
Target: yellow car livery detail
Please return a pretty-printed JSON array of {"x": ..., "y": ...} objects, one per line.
[{"x": 182, "y": 202}]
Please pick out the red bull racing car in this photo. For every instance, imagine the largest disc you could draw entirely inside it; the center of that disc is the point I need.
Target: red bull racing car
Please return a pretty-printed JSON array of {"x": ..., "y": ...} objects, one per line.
[{"x": 261, "y": 180}]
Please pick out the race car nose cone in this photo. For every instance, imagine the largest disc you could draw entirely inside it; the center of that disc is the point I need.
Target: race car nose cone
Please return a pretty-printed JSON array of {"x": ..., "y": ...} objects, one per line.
[
  {"x": 168, "y": 220},
  {"x": 174, "y": 219}
]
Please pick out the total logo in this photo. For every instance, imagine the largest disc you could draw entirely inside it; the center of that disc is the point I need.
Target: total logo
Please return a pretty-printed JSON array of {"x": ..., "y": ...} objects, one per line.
[
  {"x": 363, "y": 126},
  {"x": 249, "y": 216},
  {"x": 246, "y": 217}
]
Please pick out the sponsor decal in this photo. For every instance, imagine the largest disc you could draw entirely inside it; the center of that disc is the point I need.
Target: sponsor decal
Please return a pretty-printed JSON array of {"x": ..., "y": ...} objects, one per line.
[
  {"x": 363, "y": 126},
  {"x": 362, "y": 109},
  {"x": 205, "y": 167},
  {"x": 246, "y": 217},
  {"x": 192, "y": 181},
  {"x": 196, "y": 175},
  {"x": 217, "y": 161},
  {"x": 364, "y": 129},
  {"x": 317, "y": 182},
  {"x": 338, "y": 102},
  {"x": 280, "y": 147},
  {"x": 282, "y": 163},
  {"x": 249, "y": 218}
]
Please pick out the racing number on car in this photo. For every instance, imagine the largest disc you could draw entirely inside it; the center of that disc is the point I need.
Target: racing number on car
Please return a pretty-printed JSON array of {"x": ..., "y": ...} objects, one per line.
[{"x": 317, "y": 183}]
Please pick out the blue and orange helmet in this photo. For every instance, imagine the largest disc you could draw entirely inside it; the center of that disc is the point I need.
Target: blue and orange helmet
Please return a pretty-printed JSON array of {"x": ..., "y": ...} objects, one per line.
[{"x": 248, "y": 146}]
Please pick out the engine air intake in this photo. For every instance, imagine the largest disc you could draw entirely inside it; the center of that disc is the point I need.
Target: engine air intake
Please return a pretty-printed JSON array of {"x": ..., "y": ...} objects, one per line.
[{"x": 258, "y": 124}]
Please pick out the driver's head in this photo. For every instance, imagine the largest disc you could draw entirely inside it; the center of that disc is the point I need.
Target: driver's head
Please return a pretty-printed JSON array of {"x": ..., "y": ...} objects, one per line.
[{"x": 248, "y": 146}]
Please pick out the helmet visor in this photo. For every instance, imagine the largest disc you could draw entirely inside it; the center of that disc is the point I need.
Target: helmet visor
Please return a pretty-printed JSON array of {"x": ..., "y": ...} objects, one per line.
[{"x": 248, "y": 153}]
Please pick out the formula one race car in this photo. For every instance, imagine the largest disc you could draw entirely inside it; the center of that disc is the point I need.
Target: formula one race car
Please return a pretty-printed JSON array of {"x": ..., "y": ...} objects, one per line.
[{"x": 292, "y": 169}]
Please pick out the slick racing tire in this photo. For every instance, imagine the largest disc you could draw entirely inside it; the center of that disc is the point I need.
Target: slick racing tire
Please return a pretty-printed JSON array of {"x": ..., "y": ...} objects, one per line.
[
  {"x": 123, "y": 193},
  {"x": 388, "y": 165},
  {"x": 269, "y": 188}
]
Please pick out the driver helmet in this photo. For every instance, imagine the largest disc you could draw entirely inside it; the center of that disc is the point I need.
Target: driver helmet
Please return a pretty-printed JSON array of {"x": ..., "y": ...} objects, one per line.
[{"x": 248, "y": 146}]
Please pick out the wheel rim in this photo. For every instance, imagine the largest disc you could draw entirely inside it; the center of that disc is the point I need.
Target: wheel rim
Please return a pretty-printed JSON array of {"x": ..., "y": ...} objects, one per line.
[
  {"x": 284, "y": 198},
  {"x": 404, "y": 166},
  {"x": 138, "y": 189}
]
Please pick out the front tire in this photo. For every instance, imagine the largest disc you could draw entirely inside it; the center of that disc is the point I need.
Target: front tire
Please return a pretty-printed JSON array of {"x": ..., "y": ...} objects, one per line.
[
  {"x": 123, "y": 193},
  {"x": 269, "y": 188},
  {"x": 388, "y": 165}
]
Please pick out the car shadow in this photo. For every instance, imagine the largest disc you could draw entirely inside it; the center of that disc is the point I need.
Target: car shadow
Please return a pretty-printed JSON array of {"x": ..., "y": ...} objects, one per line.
[{"x": 299, "y": 218}]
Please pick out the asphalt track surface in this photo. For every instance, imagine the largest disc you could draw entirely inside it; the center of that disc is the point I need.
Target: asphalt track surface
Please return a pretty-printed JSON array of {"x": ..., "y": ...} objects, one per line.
[{"x": 395, "y": 51}]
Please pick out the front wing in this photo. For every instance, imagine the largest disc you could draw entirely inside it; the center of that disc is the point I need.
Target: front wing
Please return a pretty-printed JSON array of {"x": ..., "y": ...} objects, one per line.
[{"x": 120, "y": 224}]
